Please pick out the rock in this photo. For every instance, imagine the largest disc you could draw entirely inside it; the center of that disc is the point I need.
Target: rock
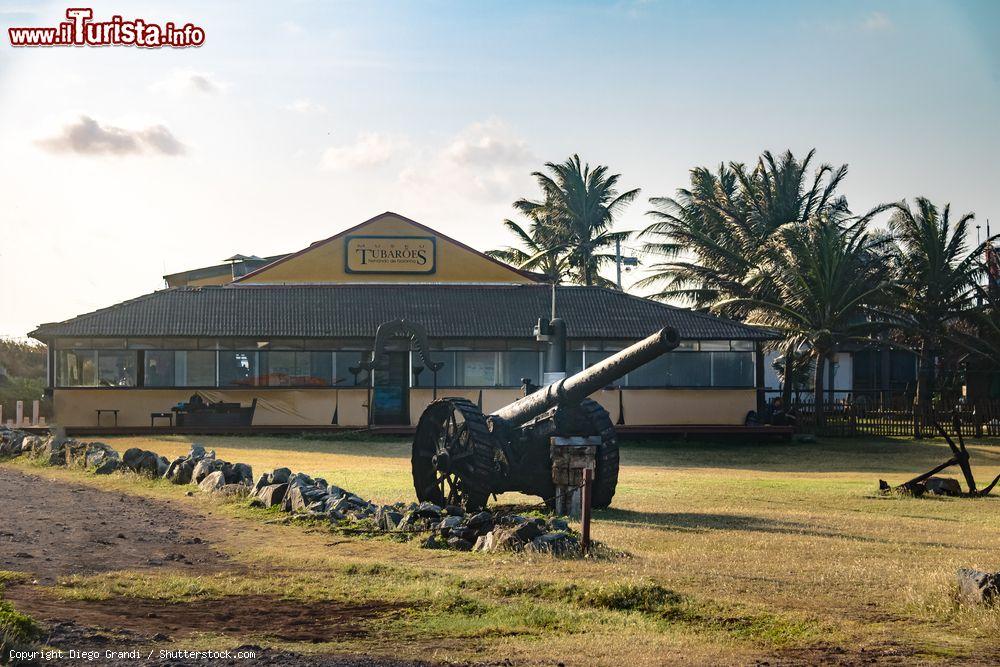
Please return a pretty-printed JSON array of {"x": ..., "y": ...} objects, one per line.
[
  {"x": 557, "y": 544},
  {"x": 257, "y": 503},
  {"x": 481, "y": 521},
  {"x": 262, "y": 481},
  {"x": 197, "y": 453},
  {"x": 459, "y": 544},
  {"x": 978, "y": 588},
  {"x": 335, "y": 491},
  {"x": 109, "y": 466},
  {"x": 319, "y": 481},
  {"x": 142, "y": 462},
  {"x": 161, "y": 465},
  {"x": 454, "y": 510},
  {"x": 97, "y": 453},
  {"x": 943, "y": 486},
  {"x": 202, "y": 469},
  {"x": 272, "y": 494},
  {"x": 280, "y": 475},
  {"x": 335, "y": 516},
  {"x": 389, "y": 519},
  {"x": 241, "y": 474},
  {"x": 300, "y": 479},
  {"x": 213, "y": 482},
  {"x": 295, "y": 499},
  {"x": 448, "y": 523},
  {"x": 234, "y": 490},
  {"x": 427, "y": 510},
  {"x": 557, "y": 523},
  {"x": 527, "y": 531},
  {"x": 180, "y": 471}
]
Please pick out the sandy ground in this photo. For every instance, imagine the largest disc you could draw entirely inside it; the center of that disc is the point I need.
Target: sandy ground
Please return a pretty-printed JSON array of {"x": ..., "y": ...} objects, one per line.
[{"x": 53, "y": 529}]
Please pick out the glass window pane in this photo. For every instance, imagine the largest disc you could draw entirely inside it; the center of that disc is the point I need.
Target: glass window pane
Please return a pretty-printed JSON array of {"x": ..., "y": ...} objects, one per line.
[
  {"x": 345, "y": 361},
  {"x": 652, "y": 374},
  {"x": 742, "y": 345},
  {"x": 518, "y": 365},
  {"x": 76, "y": 368},
  {"x": 316, "y": 369},
  {"x": 237, "y": 369},
  {"x": 688, "y": 369},
  {"x": 574, "y": 362},
  {"x": 732, "y": 369},
  {"x": 116, "y": 368},
  {"x": 477, "y": 369},
  {"x": 195, "y": 368},
  {"x": 280, "y": 368},
  {"x": 715, "y": 345},
  {"x": 160, "y": 371},
  {"x": 445, "y": 376}
]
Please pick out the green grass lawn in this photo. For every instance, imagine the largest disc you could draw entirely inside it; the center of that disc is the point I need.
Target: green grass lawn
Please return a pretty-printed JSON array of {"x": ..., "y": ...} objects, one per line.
[{"x": 730, "y": 552}]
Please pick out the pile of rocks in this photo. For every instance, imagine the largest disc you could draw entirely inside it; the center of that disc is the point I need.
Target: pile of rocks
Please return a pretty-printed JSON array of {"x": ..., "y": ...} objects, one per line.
[{"x": 448, "y": 527}]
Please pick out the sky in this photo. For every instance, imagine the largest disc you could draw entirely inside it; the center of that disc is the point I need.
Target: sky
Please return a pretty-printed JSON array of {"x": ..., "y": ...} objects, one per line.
[{"x": 298, "y": 119}]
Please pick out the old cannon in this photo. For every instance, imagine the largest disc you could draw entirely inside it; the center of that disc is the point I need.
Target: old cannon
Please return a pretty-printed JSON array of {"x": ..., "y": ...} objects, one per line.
[{"x": 461, "y": 456}]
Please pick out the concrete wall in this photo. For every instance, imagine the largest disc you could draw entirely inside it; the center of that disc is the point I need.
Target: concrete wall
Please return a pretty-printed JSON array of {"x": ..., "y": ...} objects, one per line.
[{"x": 315, "y": 407}]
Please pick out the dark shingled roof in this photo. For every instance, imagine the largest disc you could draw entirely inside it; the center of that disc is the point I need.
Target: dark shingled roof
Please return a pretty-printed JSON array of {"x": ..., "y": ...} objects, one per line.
[{"x": 354, "y": 311}]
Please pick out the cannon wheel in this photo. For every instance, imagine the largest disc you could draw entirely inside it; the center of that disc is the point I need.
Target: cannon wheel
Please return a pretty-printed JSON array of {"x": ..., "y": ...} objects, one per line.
[
  {"x": 453, "y": 457},
  {"x": 606, "y": 472}
]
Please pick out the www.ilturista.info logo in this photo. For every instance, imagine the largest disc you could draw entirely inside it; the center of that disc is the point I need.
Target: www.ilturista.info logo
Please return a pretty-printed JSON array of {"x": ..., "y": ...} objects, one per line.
[{"x": 81, "y": 30}]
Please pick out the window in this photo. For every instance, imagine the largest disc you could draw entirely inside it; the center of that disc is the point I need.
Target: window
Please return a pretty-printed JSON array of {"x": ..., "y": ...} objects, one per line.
[
  {"x": 344, "y": 362},
  {"x": 688, "y": 369},
  {"x": 237, "y": 369},
  {"x": 161, "y": 369},
  {"x": 518, "y": 365},
  {"x": 476, "y": 369},
  {"x": 574, "y": 362},
  {"x": 96, "y": 368},
  {"x": 732, "y": 369},
  {"x": 195, "y": 368},
  {"x": 652, "y": 374},
  {"x": 297, "y": 369},
  {"x": 76, "y": 368}
]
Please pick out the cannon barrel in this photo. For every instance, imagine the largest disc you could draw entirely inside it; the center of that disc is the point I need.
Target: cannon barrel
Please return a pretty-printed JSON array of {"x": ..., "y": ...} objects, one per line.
[{"x": 575, "y": 388}]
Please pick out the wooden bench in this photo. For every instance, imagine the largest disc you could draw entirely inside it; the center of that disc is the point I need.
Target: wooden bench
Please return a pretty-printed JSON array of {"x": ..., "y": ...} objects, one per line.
[
  {"x": 153, "y": 416},
  {"x": 102, "y": 411}
]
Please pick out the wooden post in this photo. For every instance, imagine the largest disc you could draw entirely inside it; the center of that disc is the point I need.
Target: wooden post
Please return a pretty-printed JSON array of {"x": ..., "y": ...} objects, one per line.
[
  {"x": 585, "y": 501},
  {"x": 34, "y": 413},
  {"x": 19, "y": 413}
]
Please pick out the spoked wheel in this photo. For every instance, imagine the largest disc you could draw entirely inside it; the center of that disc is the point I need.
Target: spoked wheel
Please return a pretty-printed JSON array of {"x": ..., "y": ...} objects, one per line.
[{"x": 453, "y": 459}]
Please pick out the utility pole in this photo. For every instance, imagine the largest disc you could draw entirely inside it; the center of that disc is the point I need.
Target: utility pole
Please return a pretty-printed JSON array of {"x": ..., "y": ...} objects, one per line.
[{"x": 618, "y": 261}]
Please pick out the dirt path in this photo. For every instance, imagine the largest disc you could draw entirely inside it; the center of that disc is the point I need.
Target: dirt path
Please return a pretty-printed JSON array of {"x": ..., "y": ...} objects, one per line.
[{"x": 52, "y": 529}]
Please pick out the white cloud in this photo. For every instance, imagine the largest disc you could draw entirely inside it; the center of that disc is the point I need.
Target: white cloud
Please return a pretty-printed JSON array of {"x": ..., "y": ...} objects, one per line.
[
  {"x": 876, "y": 22},
  {"x": 370, "y": 149},
  {"x": 306, "y": 106},
  {"x": 485, "y": 161},
  {"x": 181, "y": 82},
  {"x": 88, "y": 137},
  {"x": 292, "y": 28}
]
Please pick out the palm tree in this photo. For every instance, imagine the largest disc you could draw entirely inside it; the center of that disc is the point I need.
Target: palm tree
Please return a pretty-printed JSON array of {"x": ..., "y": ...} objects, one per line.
[
  {"x": 542, "y": 248},
  {"x": 826, "y": 285},
  {"x": 582, "y": 204},
  {"x": 715, "y": 237},
  {"x": 937, "y": 280}
]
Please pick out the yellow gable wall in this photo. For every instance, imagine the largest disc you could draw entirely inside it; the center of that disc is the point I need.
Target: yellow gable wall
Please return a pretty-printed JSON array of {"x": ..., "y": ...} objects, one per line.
[{"x": 325, "y": 262}]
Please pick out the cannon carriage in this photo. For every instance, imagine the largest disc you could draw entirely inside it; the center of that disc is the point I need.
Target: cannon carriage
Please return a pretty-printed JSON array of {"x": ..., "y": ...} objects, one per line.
[{"x": 461, "y": 456}]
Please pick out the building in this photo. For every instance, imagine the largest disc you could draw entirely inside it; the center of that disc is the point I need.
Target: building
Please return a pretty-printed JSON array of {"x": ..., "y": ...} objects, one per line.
[{"x": 284, "y": 341}]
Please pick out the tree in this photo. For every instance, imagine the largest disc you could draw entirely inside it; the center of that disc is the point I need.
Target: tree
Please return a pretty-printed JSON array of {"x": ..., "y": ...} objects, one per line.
[
  {"x": 826, "y": 286},
  {"x": 715, "y": 238},
  {"x": 936, "y": 279},
  {"x": 542, "y": 248},
  {"x": 581, "y": 204}
]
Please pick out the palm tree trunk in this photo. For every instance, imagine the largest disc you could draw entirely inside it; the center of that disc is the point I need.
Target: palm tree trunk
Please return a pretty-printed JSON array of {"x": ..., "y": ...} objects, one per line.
[
  {"x": 789, "y": 374},
  {"x": 819, "y": 404},
  {"x": 922, "y": 396}
]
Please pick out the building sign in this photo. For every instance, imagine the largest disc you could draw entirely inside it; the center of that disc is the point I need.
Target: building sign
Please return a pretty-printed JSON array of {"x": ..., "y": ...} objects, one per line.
[{"x": 390, "y": 254}]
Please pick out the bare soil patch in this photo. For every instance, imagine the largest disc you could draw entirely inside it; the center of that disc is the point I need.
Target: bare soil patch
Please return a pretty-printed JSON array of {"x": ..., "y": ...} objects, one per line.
[
  {"x": 257, "y": 616},
  {"x": 53, "y": 529}
]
